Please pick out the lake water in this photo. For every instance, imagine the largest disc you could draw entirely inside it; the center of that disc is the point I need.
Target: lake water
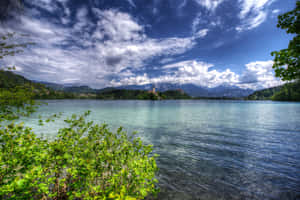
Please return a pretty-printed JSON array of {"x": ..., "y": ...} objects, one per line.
[{"x": 208, "y": 149}]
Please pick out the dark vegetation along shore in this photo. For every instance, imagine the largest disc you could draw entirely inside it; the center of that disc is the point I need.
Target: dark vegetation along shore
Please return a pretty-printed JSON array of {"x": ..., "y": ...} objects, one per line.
[
  {"x": 41, "y": 91},
  {"x": 286, "y": 92}
]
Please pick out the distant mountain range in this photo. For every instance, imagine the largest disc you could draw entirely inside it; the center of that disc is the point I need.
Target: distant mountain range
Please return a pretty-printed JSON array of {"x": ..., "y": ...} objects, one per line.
[
  {"x": 196, "y": 91},
  {"x": 46, "y": 90},
  {"x": 287, "y": 92},
  {"x": 74, "y": 88},
  {"x": 190, "y": 89}
]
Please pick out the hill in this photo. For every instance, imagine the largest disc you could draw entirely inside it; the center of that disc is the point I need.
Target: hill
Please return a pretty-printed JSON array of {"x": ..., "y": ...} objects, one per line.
[
  {"x": 286, "y": 92},
  {"x": 44, "y": 90},
  {"x": 222, "y": 91},
  {"x": 196, "y": 91},
  {"x": 69, "y": 88},
  {"x": 10, "y": 80},
  {"x": 122, "y": 94}
]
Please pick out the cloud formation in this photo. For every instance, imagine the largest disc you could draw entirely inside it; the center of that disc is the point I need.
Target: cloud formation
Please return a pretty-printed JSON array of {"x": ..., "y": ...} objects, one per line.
[
  {"x": 91, "y": 53},
  {"x": 256, "y": 75},
  {"x": 259, "y": 75},
  {"x": 211, "y": 5},
  {"x": 131, "y": 2},
  {"x": 253, "y": 13}
]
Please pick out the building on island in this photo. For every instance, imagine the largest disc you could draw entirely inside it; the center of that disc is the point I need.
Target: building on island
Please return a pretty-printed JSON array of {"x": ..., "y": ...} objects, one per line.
[{"x": 153, "y": 91}]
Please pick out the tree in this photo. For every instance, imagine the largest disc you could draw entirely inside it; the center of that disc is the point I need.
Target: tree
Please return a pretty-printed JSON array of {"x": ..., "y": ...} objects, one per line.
[
  {"x": 287, "y": 61},
  {"x": 15, "y": 100}
]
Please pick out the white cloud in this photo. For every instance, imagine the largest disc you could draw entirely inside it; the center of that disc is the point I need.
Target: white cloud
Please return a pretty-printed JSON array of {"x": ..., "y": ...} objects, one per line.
[
  {"x": 257, "y": 75},
  {"x": 182, "y": 4},
  {"x": 118, "y": 26},
  {"x": 166, "y": 60},
  {"x": 82, "y": 24},
  {"x": 202, "y": 24},
  {"x": 131, "y": 2},
  {"x": 276, "y": 11},
  {"x": 191, "y": 71},
  {"x": 211, "y": 5},
  {"x": 196, "y": 32},
  {"x": 48, "y": 5},
  {"x": 253, "y": 13},
  {"x": 196, "y": 23},
  {"x": 201, "y": 33}
]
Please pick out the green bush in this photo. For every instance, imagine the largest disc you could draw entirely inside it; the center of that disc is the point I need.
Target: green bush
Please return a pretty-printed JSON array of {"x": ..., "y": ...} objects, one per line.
[
  {"x": 84, "y": 161},
  {"x": 15, "y": 102}
]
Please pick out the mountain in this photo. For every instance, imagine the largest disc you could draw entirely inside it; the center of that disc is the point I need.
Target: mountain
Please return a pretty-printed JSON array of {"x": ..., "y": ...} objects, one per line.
[
  {"x": 229, "y": 91},
  {"x": 74, "y": 88},
  {"x": 53, "y": 90},
  {"x": 286, "y": 92},
  {"x": 196, "y": 91},
  {"x": 190, "y": 89}
]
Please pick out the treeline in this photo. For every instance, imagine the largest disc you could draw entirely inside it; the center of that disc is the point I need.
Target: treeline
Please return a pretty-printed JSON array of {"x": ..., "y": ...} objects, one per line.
[
  {"x": 10, "y": 80},
  {"x": 122, "y": 94},
  {"x": 217, "y": 98},
  {"x": 286, "y": 92}
]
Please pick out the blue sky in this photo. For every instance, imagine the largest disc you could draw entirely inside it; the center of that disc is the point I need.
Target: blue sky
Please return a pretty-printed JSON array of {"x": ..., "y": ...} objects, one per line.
[{"x": 104, "y": 43}]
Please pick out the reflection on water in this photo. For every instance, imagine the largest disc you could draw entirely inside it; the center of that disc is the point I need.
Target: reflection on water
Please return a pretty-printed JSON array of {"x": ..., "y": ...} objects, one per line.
[{"x": 208, "y": 149}]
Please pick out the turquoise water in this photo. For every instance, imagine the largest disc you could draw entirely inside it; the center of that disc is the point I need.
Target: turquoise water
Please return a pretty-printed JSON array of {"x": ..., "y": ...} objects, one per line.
[{"x": 208, "y": 149}]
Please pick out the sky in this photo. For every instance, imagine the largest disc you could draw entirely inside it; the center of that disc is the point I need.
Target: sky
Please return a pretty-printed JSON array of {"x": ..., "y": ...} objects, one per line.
[{"x": 103, "y": 43}]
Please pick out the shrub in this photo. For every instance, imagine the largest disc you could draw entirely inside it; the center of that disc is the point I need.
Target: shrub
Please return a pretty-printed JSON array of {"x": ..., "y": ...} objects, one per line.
[
  {"x": 16, "y": 102},
  {"x": 84, "y": 161}
]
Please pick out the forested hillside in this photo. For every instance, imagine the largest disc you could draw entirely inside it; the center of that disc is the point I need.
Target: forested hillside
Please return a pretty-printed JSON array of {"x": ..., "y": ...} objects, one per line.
[
  {"x": 11, "y": 81},
  {"x": 287, "y": 92}
]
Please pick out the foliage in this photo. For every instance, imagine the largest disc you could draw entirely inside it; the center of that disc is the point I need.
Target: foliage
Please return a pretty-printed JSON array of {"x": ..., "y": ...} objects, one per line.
[
  {"x": 174, "y": 94},
  {"x": 84, "y": 161},
  {"x": 265, "y": 94},
  {"x": 16, "y": 102},
  {"x": 9, "y": 80},
  {"x": 123, "y": 94},
  {"x": 287, "y": 92},
  {"x": 289, "y": 57},
  {"x": 141, "y": 94}
]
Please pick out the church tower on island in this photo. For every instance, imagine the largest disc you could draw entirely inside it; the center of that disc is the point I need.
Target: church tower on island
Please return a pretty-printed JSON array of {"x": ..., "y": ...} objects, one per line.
[{"x": 153, "y": 89}]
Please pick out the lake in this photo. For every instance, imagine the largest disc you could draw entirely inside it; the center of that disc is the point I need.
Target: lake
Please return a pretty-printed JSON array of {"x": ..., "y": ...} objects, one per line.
[{"x": 209, "y": 149}]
